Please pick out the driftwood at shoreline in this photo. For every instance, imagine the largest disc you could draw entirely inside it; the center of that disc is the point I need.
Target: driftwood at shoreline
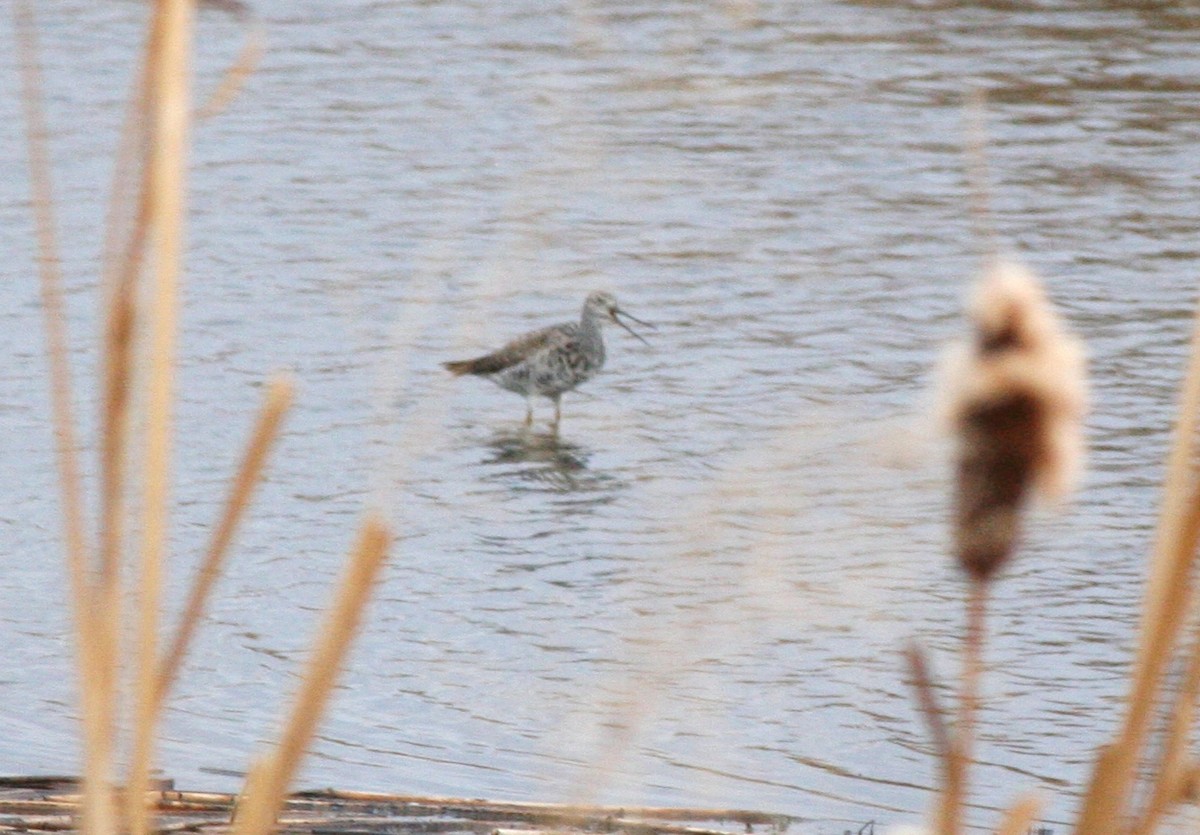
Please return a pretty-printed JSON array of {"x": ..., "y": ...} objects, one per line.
[{"x": 51, "y": 804}]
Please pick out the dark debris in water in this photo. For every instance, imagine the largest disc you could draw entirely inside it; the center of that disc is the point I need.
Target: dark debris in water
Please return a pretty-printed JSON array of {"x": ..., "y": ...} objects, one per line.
[{"x": 50, "y": 804}]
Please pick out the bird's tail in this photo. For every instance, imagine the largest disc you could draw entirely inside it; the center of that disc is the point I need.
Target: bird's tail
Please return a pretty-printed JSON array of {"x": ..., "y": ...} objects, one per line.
[{"x": 459, "y": 367}]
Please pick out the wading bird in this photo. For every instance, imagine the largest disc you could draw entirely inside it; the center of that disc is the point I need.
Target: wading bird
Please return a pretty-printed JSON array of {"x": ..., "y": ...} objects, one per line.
[{"x": 552, "y": 360}]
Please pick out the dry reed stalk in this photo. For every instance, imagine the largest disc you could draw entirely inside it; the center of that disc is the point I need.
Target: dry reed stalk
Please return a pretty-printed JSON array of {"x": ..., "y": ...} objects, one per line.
[
  {"x": 257, "y": 785},
  {"x": 1166, "y": 602},
  {"x": 269, "y": 778},
  {"x": 1019, "y": 819},
  {"x": 946, "y": 748},
  {"x": 951, "y": 801},
  {"x": 927, "y": 700},
  {"x": 129, "y": 170},
  {"x": 98, "y": 806},
  {"x": 117, "y": 374},
  {"x": 98, "y": 812},
  {"x": 978, "y": 179},
  {"x": 1171, "y": 774},
  {"x": 121, "y": 280},
  {"x": 123, "y": 256},
  {"x": 121, "y": 261},
  {"x": 169, "y": 130},
  {"x": 963, "y": 751},
  {"x": 235, "y": 76},
  {"x": 266, "y": 431},
  {"x": 962, "y": 747}
]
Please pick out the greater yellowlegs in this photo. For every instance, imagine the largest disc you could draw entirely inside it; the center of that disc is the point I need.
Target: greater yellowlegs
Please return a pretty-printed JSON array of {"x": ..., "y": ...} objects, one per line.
[{"x": 552, "y": 360}]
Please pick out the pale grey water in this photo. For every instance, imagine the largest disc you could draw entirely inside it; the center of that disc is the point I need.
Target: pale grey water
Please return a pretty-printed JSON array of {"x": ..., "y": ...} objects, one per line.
[{"x": 741, "y": 524}]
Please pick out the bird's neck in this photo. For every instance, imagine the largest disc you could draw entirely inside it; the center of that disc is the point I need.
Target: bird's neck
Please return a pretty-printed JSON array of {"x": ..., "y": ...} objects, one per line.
[
  {"x": 589, "y": 337},
  {"x": 589, "y": 327}
]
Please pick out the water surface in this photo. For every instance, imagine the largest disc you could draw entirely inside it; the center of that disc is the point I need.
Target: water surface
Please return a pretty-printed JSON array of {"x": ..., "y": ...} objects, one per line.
[{"x": 697, "y": 593}]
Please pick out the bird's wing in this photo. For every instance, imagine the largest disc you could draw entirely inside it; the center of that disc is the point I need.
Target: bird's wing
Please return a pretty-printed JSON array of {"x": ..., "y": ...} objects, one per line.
[{"x": 519, "y": 350}]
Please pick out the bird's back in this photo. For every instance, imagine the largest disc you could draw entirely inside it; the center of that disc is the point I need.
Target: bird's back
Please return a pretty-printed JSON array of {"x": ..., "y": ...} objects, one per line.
[{"x": 520, "y": 350}]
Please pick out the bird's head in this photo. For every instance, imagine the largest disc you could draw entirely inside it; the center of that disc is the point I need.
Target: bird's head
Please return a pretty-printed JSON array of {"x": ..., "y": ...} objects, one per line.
[{"x": 604, "y": 306}]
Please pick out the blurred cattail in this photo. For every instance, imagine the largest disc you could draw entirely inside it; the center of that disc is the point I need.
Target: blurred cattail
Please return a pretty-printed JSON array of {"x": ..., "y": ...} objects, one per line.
[{"x": 1014, "y": 396}]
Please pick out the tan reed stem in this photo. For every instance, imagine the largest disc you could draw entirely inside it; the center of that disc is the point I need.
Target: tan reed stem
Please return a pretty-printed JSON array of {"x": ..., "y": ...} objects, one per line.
[
  {"x": 54, "y": 309},
  {"x": 946, "y": 746},
  {"x": 117, "y": 374},
  {"x": 1171, "y": 772},
  {"x": 118, "y": 378},
  {"x": 1167, "y": 599},
  {"x": 120, "y": 280},
  {"x": 170, "y": 112},
  {"x": 269, "y": 779},
  {"x": 129, "y": 169},
  {"x": 235, "y": 76},
  {"x": 972, "y": 666},
  {"x": 918, "y": 667},
  {"x": 958, "y": 764},
  {"x": 98, "y": 812},
  {"x": 257, "y": 785},
  {"x": 1019, "y": 819},
  {"x": 948, "y": 820},
  {"x": 121, "y": 263},
  {"x": 266, "y": 431},
  {"x": 978, "y": 179},
  {"x": 121, "y": 274}
]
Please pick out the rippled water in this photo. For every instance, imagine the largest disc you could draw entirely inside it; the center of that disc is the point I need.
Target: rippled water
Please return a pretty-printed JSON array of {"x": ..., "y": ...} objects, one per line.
[{"x": 697, "y": 593}]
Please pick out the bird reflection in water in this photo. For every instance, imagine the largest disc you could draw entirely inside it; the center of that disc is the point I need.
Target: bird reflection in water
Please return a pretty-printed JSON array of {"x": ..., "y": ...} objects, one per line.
[{"x": 544, "y": 461}]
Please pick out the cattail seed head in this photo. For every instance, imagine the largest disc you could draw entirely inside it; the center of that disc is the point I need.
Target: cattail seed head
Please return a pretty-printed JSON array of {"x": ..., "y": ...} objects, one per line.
[{"x": 1014, "y": 396}]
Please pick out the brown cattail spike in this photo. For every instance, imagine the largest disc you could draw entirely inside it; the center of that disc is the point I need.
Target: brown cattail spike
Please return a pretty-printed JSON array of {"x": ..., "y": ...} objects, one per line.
[
  {"x": 999, "y": 443},
  {"x": 1015, "y": 399}
]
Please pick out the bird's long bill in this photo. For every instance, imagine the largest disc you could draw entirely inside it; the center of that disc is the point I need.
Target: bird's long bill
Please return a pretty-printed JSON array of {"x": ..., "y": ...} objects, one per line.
[{"x": 619, "y": 313}]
